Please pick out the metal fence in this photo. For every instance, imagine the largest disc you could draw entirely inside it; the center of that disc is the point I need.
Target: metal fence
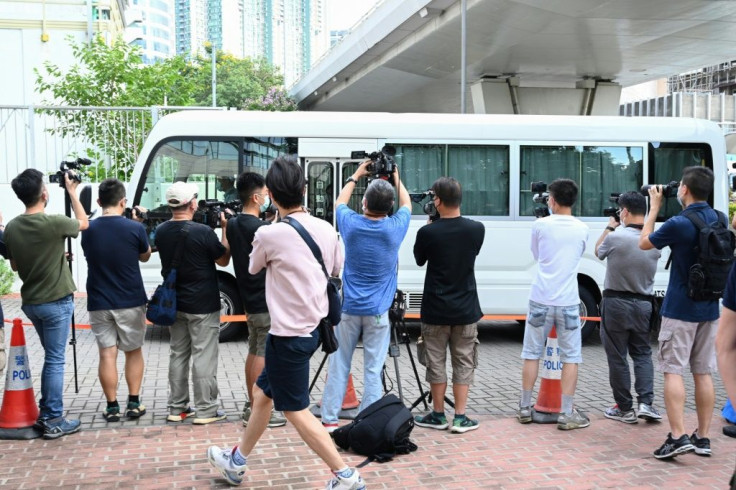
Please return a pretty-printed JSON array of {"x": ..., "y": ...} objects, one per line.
[{"x": 42, "y": 136}]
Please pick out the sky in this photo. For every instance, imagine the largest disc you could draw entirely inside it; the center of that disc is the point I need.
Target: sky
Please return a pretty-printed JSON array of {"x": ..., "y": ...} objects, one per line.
[{"x": 343, "y": 14}]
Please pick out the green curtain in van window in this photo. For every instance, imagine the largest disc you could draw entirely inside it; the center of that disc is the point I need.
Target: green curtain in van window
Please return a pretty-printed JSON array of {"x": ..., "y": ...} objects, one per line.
[
  {"x": 483, "y": 172},
  {"x": 668, "y": 165},
  {"x": 420, "y": 166}
]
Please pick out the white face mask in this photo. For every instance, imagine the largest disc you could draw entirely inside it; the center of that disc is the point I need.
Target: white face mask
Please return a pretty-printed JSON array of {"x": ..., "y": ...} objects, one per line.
[{"x": 679, "y": 199}]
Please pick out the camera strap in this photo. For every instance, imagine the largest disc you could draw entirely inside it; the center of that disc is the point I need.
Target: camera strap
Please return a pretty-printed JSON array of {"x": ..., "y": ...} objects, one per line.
[{"x": 308, "y": 239}]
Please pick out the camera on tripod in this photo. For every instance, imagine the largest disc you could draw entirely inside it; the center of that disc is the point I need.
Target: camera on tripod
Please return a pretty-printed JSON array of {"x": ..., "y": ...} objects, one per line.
[
  {"x": 611, "y": 211},
  {"x": 209, "y": 211},
  {"x": 428, "y": 207},
  {"x": 541, "y": 196},
  {"x": 382, "y": 162},
  {"x": 72, "y": 169},
  {"x": 668, "y": 190}
]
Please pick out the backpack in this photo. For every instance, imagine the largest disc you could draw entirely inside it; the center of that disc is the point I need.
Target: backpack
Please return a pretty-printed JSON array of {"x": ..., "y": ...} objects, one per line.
[
  {"x": 716, "y": 243},
  {"x": 380, "y": 432}
]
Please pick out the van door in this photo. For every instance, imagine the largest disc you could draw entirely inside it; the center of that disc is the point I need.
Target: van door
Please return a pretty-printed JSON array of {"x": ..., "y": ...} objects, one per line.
[{"x": 325, "y": 180}]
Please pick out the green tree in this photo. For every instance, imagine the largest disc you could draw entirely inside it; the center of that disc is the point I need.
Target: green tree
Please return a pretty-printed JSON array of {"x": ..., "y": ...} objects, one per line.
[
  {"x": 242, "y": 83},
  {"x": 111, "y": 75}
]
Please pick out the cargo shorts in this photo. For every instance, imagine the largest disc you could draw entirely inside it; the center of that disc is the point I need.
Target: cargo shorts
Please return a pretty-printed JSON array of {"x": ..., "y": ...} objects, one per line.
[{"x": 463, "y": 343}]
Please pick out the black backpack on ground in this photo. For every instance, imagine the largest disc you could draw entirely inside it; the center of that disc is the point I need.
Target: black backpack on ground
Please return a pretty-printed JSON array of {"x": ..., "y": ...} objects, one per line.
[
  {"x": 380, "y": 432},
  {"x": 716, "y": 243}
]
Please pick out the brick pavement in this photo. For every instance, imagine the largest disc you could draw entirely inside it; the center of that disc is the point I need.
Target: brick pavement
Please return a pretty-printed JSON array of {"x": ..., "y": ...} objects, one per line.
[{"x": 149, "y": 453}]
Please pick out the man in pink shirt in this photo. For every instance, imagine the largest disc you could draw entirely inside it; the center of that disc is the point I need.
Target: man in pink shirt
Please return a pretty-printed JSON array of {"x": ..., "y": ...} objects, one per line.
[{"x": 297, "y": 301}]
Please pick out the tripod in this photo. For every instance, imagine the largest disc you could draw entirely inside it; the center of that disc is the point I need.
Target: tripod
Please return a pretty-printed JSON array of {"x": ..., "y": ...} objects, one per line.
[
  {"x": 397, "y": 323},
  {"x": 69, "y": 259}
]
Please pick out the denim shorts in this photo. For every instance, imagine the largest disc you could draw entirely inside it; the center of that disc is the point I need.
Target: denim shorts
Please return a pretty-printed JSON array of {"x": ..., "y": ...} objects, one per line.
[
  {"x": 285, "y": 378},
  {"x": 539, "y": 322}
]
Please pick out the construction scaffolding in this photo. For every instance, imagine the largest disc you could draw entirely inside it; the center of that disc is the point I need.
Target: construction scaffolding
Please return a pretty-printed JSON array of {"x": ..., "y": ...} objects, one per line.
[{"x": 716, "y": 79}]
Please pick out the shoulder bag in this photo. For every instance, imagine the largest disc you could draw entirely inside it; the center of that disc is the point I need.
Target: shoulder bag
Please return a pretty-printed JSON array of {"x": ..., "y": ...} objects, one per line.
[{"x": 161, "y": 309}]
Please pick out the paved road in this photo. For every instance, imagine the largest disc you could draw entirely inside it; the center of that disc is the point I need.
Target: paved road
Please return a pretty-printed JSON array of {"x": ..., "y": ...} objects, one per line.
[{"x": 506, "y": 455}]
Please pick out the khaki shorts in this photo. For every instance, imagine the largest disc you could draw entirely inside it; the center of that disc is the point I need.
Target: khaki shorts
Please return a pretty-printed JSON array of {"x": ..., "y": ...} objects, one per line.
[
  {"x": 687, "y": 343},
  {"x": 463, "y": 343},
  {"x": 258, "y": 326},
  {"x": 125, "y": 327}
]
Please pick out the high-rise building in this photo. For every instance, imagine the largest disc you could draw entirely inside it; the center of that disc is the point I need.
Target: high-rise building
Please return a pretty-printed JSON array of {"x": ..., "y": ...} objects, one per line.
[
  {"x": 151, "y": 26},
  {"x": 290, "y": 34},
  {"x": 218, "y": 22}
]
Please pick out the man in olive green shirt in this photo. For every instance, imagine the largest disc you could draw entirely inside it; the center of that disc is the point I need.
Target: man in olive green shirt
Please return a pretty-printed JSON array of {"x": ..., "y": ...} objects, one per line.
[{"x": 35, "y": 243}]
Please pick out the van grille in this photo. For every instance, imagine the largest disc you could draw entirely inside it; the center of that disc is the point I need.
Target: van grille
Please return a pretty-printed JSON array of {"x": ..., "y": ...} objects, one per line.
[{"x": 414, "y": 302}]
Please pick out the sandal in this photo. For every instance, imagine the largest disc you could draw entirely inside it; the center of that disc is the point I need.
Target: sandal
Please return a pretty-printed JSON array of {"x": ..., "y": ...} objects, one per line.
[
  {"x": 135, "y": 410},
  {"x": 111, "y": 414}
]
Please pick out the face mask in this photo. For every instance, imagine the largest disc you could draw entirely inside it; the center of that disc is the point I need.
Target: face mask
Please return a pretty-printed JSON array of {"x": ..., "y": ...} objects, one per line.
[
  {"x": 265, "y": 205},
  {"x": 218, "y": 186},
  {"x": 550, "y": 210},
  {"x": 679, "y": 200}
]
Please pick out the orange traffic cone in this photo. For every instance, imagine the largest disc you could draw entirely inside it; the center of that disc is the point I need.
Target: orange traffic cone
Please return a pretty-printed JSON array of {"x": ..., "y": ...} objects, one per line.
[
  {"x": 549, "y": 399},
  {"x": 351, "y": 400},
  {"x": 19, "y": 410}
]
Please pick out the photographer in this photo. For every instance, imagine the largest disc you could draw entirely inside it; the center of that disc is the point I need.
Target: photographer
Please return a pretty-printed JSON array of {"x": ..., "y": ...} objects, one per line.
[
  {"x": 557, "y": 244},
  {"x": 687, "y": 333},
  {"x": 195, "y": 333},
  {"x": 252, "y": 287},
  {"x": 372, "y": 242},
  {"x": 297, "y": 302},
  {"x": 450, "y": 306},
  {"x": 627, "y": 309},
  {"x": 35, "y": 243},
  {"x": 116, "y": 298}
]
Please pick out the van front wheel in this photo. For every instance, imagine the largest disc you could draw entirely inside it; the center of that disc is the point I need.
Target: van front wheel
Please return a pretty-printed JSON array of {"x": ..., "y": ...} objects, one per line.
[
  {"x": 230, "y": 304},
  {"x": 588, "y": 307}
]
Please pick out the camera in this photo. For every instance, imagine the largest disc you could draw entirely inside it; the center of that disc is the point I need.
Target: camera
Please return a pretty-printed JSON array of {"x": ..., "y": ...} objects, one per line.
[
  {"x": 612, "y": 211},
  {"x": 668, "y": 190},
  {"x": 135, "y": 211},
  {"x": 428, "y": 207},
  {"x": 541, "y": 196},
  {"x": 382, "y": 162},
  {"x": 72, "y": 169},
  {"x": 209, "y": 211}
]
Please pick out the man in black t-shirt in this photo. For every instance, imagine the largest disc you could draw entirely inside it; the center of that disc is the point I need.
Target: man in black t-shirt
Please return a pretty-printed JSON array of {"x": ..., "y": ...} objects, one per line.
[
  {"x": 252, "y": 287},
  {"x": 450, "y": 306},
  {"x": 195, "y": 333}
]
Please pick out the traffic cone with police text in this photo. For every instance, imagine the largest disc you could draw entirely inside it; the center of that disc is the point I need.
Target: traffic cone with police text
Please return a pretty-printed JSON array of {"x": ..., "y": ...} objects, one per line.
[
  {"x": 19, "y": 410},
  {"x": 549, "y": 398}
]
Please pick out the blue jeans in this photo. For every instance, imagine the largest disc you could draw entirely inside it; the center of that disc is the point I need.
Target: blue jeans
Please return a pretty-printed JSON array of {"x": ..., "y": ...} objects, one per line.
[
  {"x": 376, "y": 331},
  {"x": 52, "y": 322}
]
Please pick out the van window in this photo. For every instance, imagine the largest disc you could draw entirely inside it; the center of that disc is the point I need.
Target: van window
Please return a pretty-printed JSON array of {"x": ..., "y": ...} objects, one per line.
[
  {"x": 666, "y": 162},
  {"x": 599, "y": 171}
]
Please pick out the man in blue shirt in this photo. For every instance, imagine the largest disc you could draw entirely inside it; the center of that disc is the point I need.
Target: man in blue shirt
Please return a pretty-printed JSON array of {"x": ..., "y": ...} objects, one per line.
[
  {"x": 372, "y": 241},
  {"x": 687, "y": 334},
  {"x": 116, "y": 298}
]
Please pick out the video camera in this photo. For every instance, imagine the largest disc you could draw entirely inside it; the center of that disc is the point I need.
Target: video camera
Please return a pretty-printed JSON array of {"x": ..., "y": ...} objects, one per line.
[
  {"x": 135, "y": 211},
  {"x": 541, "y": 196},
  {"x": 668, "y": 190},
  {"x": 209, "y": 211},
  {"x": 382, "y": 162},
  {"x": 428, "y": 207},
  {"x": 611, "y": 211},
  {"x": 71, "y": 169}
]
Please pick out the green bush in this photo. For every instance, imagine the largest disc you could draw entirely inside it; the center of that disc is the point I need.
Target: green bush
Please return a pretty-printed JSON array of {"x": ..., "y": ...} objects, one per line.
[
  {"x": 7, "y": 277},
  {"x": 731, "y": 210}
]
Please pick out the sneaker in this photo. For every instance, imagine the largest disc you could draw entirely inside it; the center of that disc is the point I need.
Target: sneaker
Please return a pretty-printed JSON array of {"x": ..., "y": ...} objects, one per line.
[
  {"x": 575, "y": 420},
  {"x": 625, "y": 416},
  {"x": 524, "y": 415},
  {"x": 432, "y": 421},
  {"x": 352, "y": 482},
  {"x": 649, "y": 413},
  {"x": 58, "y": 427},
  {"x": 135, "y": 410},
  {"x": 702, "y": 444},
  {"x": 674, "y": 447},
  {"x": 330, "y": 427},
  {"x": 246, "y": 414},
  {"x": 461, "y": 425},
  {"x": 221, "y": 460},
  {"x": 277, "y": 419},
  {"x": 181, "y": 416},
  {"x": 219, "y": 415},
  {"x": 111, "y": 414}
]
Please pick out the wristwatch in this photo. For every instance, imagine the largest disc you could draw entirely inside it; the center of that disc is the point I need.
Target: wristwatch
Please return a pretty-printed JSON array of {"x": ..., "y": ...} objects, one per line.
[
  {"x": 610, "y": 228},
  {"x": 350, "y": 179}
]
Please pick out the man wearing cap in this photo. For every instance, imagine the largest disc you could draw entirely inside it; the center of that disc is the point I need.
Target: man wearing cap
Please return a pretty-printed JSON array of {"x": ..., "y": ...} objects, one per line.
[
  {"x": 195, "y": 332},
  {"x": 226, "y": 183}
]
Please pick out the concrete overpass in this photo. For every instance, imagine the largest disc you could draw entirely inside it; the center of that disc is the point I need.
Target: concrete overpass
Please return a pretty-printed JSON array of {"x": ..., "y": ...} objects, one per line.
[{"x": 523, "y": 56}]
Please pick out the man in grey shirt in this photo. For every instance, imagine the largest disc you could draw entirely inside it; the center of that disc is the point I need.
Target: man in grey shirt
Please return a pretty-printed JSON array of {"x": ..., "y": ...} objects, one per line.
[{"x": 626, "y": 310}]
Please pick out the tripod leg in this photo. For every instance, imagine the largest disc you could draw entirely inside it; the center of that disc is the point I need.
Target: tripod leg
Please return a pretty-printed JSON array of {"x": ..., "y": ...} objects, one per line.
[
  {"x": 316, "y": 375},
  {"x": 406, "y": 340}
]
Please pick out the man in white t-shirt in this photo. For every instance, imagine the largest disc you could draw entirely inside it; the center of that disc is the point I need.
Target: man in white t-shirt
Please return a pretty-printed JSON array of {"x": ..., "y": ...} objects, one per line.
[{"x": 558, "y": 242}]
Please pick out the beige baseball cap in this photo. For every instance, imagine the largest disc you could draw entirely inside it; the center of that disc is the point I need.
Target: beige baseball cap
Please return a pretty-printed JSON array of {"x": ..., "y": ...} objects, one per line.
[{"x": 180, "y": 193}]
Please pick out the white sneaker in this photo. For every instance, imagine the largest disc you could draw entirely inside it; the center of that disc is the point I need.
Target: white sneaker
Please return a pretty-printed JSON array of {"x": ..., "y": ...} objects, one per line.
[
  {"x": 353, "y": 482},
  {"x": 615, "y": 413},
  {"x": 222, "y": 460},
  {"x": 648, "y": 412}
]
